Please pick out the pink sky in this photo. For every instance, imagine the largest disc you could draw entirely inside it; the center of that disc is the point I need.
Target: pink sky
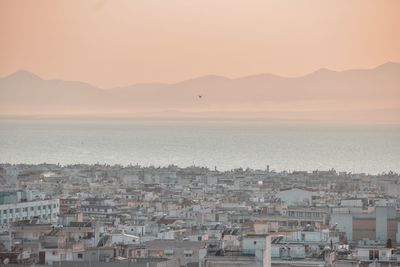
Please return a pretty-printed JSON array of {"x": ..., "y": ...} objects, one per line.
[{"x": 113, "y": 43}]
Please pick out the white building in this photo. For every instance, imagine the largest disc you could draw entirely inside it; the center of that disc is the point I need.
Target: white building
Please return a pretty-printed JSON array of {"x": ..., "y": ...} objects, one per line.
[
  {"x": 123, "y": 238},
  {"x": 42, "y": 209},
  {"x": 255, "y": 251},
  {"x": 295, "y": 196}
]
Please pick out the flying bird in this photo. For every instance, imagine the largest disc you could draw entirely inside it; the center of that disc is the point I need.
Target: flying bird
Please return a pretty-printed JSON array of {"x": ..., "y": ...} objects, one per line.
[{"x": 199, "y": 96}]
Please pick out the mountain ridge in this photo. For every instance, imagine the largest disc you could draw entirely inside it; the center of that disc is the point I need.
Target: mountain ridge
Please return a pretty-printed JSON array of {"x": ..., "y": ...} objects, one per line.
[
  {"x": 323, "y": 69},
  {"x": 24, "y": 92}
]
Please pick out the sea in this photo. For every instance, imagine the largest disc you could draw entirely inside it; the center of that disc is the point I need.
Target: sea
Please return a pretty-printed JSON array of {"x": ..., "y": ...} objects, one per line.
[{"x": 224, "y": 145}]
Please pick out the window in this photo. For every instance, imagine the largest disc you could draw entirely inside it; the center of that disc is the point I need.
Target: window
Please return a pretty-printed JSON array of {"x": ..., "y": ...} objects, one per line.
[
  {"x": 80, "y": 255},
  {"x": 168, "y": 252},
  {"x": 188, "y": 253},
  {"x": 32, "y": 208},
  {"x": 374, "y": 254}
]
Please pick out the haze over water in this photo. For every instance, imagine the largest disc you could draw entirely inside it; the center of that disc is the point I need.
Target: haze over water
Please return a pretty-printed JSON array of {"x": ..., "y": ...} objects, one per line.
[{"x": 224, "y": 144}]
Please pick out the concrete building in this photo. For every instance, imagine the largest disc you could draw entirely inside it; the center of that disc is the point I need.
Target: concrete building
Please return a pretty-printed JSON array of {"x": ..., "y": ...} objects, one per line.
[
  {"x": 145, "y": 262},
  {"x": 26, "y": 205},
  {"x": 184, "y": 252},
  {"x": 10, "y": 197},
  {"x": 303, "y": 216},
  {"x": 255, "y": 251},
  {"x": 381, "y": 224},
  {"x": 295, "y": 196}
]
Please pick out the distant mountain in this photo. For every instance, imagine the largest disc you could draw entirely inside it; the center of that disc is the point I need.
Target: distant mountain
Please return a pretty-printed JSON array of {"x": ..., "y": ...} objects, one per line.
[{"x": 353, "y": 95}]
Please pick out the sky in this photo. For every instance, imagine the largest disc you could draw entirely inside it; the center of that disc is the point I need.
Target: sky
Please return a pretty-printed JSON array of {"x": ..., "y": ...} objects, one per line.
[{"x": 122, "y": 42}]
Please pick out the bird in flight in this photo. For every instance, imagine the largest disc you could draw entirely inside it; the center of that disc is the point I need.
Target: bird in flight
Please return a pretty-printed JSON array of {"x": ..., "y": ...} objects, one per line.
[{"x": 199, "y": 96}]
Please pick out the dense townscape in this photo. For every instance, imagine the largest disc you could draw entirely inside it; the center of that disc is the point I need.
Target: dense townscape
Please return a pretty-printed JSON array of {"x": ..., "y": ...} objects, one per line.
[{"x": 103, "y": 215}]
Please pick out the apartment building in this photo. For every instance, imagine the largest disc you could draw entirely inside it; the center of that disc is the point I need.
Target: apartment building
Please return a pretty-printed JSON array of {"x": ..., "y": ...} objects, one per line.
[{"x": 26, "y": 205}]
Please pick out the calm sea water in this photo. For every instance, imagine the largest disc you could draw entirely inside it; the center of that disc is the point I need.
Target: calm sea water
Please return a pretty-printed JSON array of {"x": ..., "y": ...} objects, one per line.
[{"x": 227, "y": 145}]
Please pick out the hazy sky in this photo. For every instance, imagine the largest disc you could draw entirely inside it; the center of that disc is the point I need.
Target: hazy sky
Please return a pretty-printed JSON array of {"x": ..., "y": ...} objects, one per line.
[{"x": 120, "y": 42}]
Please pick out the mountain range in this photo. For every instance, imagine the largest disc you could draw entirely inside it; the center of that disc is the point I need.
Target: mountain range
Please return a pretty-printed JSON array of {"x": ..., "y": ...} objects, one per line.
[{"x": 361, "y": 95}]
